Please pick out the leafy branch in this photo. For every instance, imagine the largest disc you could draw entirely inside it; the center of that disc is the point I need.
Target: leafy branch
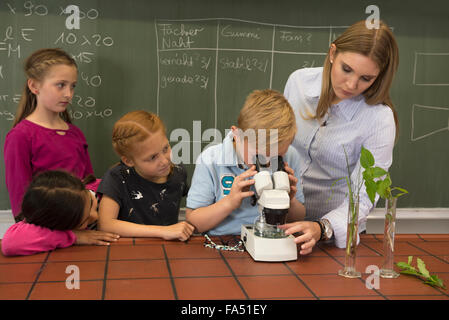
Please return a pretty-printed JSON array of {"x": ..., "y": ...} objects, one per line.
[
  {"x": 374, "y": 184},
  {"x": 420, "y": 272},
  {"x": 381, "y": 187}
]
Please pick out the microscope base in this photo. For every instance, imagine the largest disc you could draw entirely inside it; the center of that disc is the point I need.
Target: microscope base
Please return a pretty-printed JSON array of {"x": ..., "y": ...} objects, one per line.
[{"x": 267, "y": 249}]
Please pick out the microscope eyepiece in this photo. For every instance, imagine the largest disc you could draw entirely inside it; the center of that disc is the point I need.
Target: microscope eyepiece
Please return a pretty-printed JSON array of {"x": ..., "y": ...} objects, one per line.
[
  {"x": 279, "y": 161},
  {"x": 261, "y": 162}
]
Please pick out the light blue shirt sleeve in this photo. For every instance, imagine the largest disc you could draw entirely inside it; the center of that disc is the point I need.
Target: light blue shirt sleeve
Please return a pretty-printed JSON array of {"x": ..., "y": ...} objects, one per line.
[{"x": 202, "y": 189}]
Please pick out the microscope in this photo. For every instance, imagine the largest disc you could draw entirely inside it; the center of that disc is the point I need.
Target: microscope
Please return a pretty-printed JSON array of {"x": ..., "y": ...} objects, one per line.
[{"x": 264, "y": 241}]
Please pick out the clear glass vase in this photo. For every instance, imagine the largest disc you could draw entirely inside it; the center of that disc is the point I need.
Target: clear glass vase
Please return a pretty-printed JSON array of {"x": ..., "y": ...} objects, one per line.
[
  {"x": 351, "y": 242},
  {"x": 387, "y": 270}
]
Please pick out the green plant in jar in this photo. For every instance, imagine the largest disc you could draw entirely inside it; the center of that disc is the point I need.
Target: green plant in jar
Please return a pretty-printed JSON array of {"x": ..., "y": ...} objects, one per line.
[{"x": 378, "y": 181}]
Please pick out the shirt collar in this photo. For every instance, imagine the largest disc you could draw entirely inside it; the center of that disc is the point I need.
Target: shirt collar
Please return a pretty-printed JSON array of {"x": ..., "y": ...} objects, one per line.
[
  {"x": 348, "y": 107},
  {"x": 229, "y": 154},
  {"x": 312, "y": 82}
]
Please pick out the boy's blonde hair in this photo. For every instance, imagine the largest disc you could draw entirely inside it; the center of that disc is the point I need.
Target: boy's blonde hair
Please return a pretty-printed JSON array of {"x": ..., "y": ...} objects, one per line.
[
  {"x": 132, "y": 128},
  {"x": 268, "y": 109}
]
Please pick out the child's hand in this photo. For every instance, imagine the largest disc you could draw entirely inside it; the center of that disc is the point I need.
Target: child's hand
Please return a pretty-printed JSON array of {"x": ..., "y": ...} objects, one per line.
[
  {"x": 99, "y": 238},
  {"x": 240, "y": 188},
  {"x": 293, "y": 181},
  {"x": 180, "y": 231}
]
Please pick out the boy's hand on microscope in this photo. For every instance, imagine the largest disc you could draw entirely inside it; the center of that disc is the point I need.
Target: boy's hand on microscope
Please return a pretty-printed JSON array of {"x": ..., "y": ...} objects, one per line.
[
  {"x": 179, "y": 231},
  {"x": 293, "y": 181},
  {"x": 241, "y": 188}
]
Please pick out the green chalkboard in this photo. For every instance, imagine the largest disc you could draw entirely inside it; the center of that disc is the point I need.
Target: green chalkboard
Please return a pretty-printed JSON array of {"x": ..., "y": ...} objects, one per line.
[{"x": 194, "y": 62}]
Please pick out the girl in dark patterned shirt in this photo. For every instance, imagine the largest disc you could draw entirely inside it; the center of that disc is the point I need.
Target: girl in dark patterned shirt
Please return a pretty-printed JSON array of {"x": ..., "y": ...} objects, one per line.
[{"x": 141, "y": 195}]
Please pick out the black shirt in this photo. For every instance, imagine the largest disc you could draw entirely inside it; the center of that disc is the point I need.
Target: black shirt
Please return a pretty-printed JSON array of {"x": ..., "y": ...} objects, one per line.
[{"x": 142, "y": 201}]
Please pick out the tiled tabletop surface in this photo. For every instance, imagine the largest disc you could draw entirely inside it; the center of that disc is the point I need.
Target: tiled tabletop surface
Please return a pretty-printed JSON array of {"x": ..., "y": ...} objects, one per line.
[{"x": 156, "y": 269}]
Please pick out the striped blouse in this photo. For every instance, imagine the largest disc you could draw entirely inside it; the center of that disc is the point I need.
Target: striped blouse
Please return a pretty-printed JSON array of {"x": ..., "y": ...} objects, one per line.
[{"x": 350, "y": 124}]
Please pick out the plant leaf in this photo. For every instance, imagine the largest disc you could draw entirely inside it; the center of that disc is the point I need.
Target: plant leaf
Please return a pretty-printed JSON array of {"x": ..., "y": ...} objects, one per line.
[
  {"x": 423, "y": 273},
  {"x": 436, "y": 283},
  {"x": 440, "y": 282},
  {"x": 401, "y": 193},
  {"x": 378, "y": 172},
  {"x": 407, "y": 267},
  {"x": 401, "y": 189},
  {"x": 403, "y": 265},
  {"x": 368, "y": 174},
  {"x": 332, "y": 189},
  {"x": 412, "y": 272},
  {"x": 422, "y": 268},
  {"x": 366, "y": 158},
  {"x": 371, "y": 189},
  {"x": 382, "y": 187}
]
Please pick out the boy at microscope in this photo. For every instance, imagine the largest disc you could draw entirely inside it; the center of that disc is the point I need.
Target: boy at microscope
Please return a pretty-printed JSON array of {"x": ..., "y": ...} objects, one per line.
[{"x": 220, "y": 200}]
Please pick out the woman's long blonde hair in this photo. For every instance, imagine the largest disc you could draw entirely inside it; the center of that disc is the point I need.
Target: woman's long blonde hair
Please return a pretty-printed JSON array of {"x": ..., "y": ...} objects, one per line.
[
  {"x": 377, "y": 44},
  {"x": 36, "y": 67}
]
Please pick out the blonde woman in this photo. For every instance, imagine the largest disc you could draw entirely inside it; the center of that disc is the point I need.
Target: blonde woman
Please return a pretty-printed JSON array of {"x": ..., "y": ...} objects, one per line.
[{"x": 346, "y": 103}]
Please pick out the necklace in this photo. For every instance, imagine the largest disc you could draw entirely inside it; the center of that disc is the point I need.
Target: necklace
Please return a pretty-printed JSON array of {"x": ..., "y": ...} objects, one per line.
[{"x": 208, "y": 243}]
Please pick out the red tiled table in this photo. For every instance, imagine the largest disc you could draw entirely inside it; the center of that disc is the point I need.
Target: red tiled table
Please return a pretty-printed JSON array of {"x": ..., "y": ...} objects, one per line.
[{"x": 156, "y": 269}]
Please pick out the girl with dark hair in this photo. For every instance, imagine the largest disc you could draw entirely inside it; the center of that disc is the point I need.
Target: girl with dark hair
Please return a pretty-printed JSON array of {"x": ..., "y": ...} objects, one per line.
[{"x": 55, "y": 209}]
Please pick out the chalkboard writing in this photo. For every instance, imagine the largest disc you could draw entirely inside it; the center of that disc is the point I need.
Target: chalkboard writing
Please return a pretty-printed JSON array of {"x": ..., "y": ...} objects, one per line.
[
  {"x": 205, "y": 53},
  {"x": 194, "y": 63}
]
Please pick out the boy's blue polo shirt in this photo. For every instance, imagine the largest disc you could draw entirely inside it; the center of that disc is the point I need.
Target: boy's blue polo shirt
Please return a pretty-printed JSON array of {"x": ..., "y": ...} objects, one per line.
[{"x": 215, "y": 170}]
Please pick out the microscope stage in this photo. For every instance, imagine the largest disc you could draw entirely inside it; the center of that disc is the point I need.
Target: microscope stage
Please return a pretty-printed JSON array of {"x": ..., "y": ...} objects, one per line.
[{"x": 268, "y": 249}]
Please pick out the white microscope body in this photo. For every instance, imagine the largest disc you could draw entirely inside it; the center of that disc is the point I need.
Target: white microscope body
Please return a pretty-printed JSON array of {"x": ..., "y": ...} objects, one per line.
[{"x": 264, "y": 241}]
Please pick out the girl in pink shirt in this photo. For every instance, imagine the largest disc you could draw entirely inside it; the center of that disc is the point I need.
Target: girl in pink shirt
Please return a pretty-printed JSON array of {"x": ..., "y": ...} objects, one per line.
[
  {"x": 43, "y": 137},
  {"x": 55, "y": 210}
]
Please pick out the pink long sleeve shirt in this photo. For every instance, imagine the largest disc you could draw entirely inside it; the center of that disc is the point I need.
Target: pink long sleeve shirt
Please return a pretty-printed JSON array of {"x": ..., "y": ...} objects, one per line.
[
  {"x": 30, "y": 148},
  {"x": 25, "y": 239}
]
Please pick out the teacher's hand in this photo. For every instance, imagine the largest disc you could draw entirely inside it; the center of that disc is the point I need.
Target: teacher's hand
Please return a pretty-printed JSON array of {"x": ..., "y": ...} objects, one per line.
[{"x": 310, "y": 233}]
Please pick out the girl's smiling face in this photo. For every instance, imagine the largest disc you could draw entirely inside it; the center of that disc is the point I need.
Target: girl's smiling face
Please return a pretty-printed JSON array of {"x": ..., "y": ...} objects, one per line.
[
  {"x": 55, "y": 91},
  {"x": 351, "y": 74}
]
